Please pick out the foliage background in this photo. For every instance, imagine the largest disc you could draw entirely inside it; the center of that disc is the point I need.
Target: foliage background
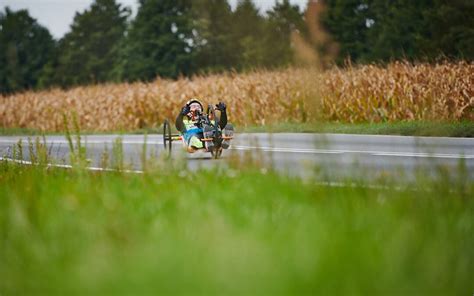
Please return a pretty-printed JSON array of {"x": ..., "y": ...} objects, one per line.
[{"x": 171, "y": 39}]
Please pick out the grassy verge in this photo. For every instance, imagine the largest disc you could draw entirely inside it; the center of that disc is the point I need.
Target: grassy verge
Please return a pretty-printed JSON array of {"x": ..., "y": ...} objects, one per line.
[
  {"x": 415, "y": 128},
  {"x": 19, "y": 132},
  {"x": 234, "y": 231}
]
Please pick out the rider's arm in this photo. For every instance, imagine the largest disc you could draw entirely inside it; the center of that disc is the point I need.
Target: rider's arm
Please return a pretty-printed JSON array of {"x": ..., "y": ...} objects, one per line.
[
  {"x": 223, "y": 119},
  {"x": 179, "y": 120},
  {"x": 180, "y": 124}
]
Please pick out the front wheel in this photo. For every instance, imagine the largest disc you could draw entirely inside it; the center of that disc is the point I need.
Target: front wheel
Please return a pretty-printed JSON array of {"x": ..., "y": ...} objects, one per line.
[
  {"x": 167, "y": 136},
  {"x": 216, "y": 152}
]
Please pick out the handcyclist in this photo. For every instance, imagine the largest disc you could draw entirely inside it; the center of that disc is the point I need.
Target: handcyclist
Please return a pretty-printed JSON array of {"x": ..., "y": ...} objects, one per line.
[{"x": 187, "y": 123}]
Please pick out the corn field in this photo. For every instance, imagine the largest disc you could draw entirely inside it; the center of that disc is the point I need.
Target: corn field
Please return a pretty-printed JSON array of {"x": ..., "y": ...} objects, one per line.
[{"x": 398, "y": 91}]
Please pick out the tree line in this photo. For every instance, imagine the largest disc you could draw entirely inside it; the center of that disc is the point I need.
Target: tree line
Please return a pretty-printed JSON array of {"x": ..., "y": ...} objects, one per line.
[
  {"x": 172, "y": 38},
  {"x": 385, "y": 30}
]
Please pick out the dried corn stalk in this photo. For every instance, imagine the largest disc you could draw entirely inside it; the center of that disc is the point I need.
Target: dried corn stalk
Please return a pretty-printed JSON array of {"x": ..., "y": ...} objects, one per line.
[{"x": 400, "y": 91}]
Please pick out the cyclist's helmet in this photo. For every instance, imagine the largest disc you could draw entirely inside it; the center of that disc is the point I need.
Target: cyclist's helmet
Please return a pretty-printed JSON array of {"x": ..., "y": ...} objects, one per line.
[{"x": 195, "y": 104}]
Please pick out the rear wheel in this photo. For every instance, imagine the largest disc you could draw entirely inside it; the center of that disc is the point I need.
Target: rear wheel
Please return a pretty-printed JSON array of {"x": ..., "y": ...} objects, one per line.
[{"x": 167, "y": 136}]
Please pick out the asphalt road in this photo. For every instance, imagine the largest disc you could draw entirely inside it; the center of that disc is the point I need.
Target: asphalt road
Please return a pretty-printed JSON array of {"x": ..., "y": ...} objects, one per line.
[{"x": 331, "y": 155}]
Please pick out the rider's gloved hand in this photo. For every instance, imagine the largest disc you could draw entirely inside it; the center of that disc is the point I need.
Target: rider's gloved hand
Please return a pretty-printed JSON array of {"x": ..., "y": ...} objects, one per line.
[
  {"x": 221, "y": 106},
  {"x": 185, "y": 110}
]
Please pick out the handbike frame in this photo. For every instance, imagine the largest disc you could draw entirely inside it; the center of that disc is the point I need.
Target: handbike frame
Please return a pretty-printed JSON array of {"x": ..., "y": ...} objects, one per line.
[{"x": 203, "y": 119}]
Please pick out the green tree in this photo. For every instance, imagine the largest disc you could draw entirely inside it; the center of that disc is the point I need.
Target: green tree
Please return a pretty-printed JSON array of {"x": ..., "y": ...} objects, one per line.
[
  {"x": 25, "y": 47},
  {"x": 380, "y": 30},
  {"x": 159, "y": 42},
  {"x": 88, "y": 52},
  {"x": 423, "y": 29},
  {"x": 213, "y": 22},
  {"x": 283, "y": 19},
  {"x": 450, "y": 29},
  {"x": 349, "y": 22},
  {"x": 248, "y": 38},
  {"x": 397, "y": 29}
]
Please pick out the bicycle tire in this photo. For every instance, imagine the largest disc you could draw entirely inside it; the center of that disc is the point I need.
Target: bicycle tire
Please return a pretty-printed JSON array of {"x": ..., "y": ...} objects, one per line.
[{"x": 167, "y": 136}]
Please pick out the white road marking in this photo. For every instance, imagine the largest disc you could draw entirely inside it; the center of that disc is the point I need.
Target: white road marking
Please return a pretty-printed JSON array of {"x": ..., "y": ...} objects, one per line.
[
  {"x": 289, "y": 150},
  {"x": 336, "y": 151},
  {"x": 68, "y": 166},
  {"x": 427, "y": 155},
  {"x": 279, "y": 149}
]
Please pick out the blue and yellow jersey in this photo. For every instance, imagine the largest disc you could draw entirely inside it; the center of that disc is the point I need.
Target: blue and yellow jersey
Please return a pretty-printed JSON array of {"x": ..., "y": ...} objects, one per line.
[
  {"x": 191, "y": 129},
  {"x": 193, "y": 134}
]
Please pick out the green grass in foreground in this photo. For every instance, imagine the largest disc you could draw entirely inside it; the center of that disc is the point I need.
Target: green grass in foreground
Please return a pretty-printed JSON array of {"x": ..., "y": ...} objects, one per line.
[
  {"x": 240, "y": 231},
  {"x": 414, "y": 128}
]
